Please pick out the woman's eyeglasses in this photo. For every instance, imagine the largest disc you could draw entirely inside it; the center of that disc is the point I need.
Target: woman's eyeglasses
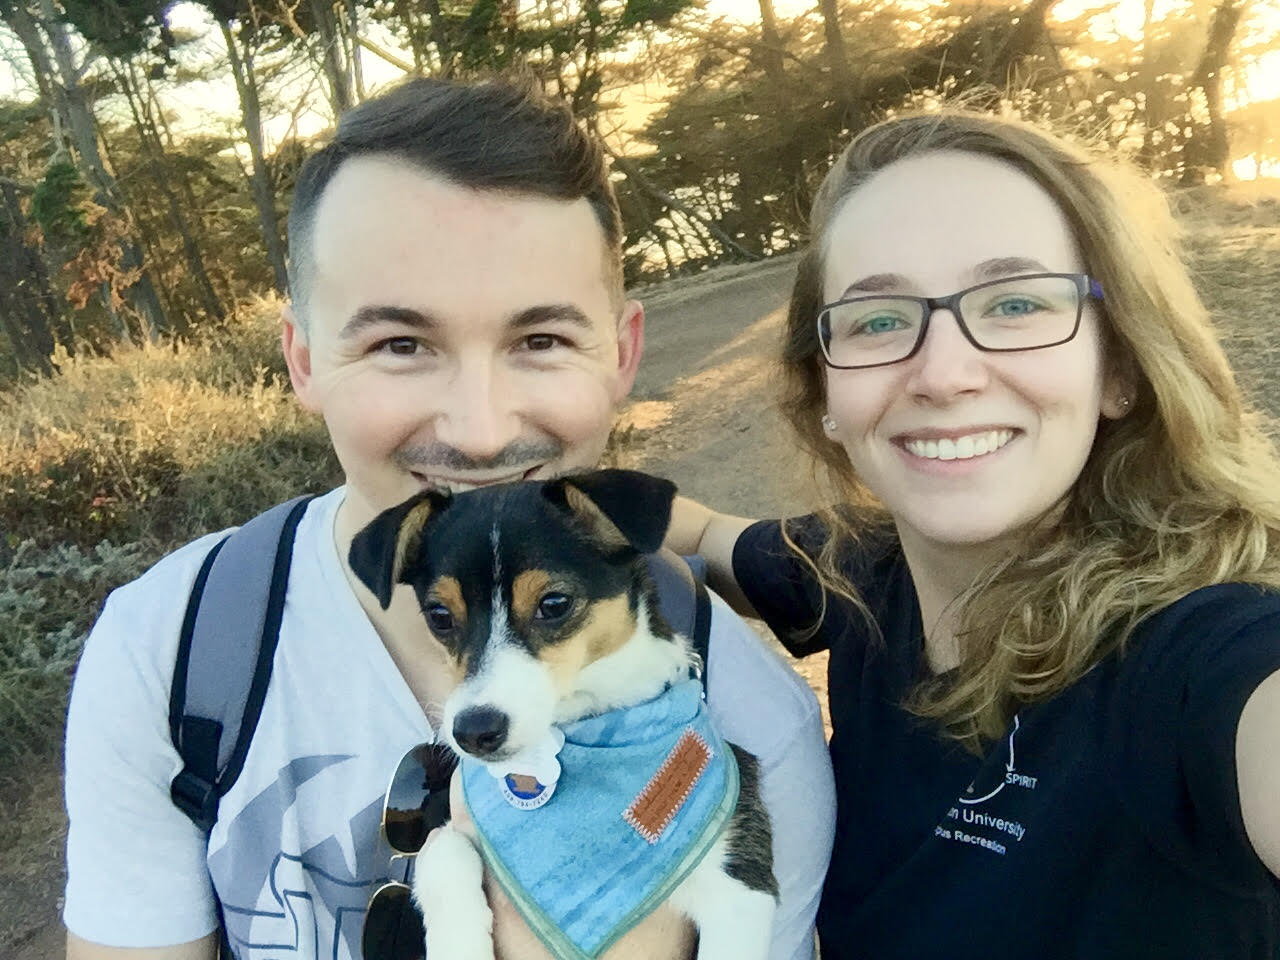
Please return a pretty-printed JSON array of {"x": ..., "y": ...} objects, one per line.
[
  {"x": 1019, "y": 313},
  {"x": 417, "y": 802}
]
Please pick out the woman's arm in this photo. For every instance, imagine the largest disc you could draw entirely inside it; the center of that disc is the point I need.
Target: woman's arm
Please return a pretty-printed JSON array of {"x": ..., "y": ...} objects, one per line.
[
  {"x": 1258, "y": 770},
  {"x": 698, "y": 529}
]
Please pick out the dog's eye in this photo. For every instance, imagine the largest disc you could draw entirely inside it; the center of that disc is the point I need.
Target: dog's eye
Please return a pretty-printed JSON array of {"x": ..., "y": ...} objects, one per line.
[
  {"x": 553, "y": 606},
  {"x": 439, "y": 618}
]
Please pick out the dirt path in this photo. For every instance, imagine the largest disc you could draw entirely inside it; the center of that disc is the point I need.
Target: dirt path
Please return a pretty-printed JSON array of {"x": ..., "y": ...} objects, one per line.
[{"x": 702, "y": 407}]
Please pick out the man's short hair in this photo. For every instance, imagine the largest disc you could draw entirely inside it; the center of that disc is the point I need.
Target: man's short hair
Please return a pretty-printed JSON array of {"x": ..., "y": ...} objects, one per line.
[{"x": 496, "y": 135}]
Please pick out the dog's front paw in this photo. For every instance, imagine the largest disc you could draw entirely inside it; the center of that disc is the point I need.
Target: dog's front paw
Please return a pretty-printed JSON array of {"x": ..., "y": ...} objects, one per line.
[{"x": 448, "y": 884}]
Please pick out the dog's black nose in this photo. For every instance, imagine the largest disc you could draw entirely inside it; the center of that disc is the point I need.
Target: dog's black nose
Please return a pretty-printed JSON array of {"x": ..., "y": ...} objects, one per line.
[{"x": 480, "y": 730}]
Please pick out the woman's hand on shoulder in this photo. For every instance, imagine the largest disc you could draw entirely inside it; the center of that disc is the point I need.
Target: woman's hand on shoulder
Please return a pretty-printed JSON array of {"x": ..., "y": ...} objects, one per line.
[
  {"x": 1258, "y": 770},
  {"x": 696, "y": 528}
]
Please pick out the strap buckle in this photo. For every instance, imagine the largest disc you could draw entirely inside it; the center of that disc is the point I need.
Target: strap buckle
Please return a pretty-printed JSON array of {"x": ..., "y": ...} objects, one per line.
[{"x": 196, "y": 797}]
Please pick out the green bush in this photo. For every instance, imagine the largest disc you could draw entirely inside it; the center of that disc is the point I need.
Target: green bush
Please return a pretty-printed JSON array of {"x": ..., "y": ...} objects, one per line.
[{"x": 48, "y": 600}]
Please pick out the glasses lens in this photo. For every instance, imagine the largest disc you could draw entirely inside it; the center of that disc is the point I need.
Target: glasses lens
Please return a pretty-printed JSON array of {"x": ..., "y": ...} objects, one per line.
[
  {"x": 418, "y": 796},
  {"x": 393, "y": 928},
  {"x": 870, "y": 331},
  {"x": 1022, "y": 313}
]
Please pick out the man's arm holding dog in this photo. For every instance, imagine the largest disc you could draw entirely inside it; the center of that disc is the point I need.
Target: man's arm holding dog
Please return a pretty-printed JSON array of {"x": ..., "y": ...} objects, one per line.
[{"x": 663, "y": 935}]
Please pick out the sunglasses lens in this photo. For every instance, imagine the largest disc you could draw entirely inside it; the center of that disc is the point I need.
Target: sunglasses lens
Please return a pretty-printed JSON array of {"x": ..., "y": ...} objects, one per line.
[
  {"x": 418, "y": 798},
  {"x": 393, "y": 927}
]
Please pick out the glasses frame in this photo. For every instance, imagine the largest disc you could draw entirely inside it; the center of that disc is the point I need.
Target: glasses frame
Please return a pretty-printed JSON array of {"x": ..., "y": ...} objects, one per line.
[{"x": 1086, "y": 288}]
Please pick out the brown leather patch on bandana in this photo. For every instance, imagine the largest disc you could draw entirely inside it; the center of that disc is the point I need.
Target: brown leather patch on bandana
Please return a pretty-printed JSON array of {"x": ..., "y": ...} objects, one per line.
[{"x": 658, "y": 803}]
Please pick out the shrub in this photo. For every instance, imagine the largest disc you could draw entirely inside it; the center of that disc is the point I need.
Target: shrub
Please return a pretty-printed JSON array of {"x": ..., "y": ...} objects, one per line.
[
  {"x": 158, "y": 444},
  {"x": 150, "y": 447},
  {"x": 48, "y": 600}
]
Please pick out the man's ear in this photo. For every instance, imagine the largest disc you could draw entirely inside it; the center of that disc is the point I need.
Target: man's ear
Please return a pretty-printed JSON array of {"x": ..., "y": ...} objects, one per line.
[
  {"x": 381, "y": 551},
  {"x": 630, "y": 347},
  {"x": 297, "y": 357},
  {"x": 621, "y": 508}
]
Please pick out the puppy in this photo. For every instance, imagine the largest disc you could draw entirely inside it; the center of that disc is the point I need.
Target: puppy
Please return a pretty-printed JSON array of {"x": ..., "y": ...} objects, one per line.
[{"x": 597, "y": 786}]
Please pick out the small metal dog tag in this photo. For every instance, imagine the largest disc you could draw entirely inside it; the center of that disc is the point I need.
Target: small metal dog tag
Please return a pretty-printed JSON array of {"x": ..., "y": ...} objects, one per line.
[{"x": 527, "y": 780}]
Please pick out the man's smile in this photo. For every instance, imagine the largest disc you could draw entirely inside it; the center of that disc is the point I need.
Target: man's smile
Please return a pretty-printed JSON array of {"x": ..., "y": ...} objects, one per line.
[{"x": 458, "y": 482}]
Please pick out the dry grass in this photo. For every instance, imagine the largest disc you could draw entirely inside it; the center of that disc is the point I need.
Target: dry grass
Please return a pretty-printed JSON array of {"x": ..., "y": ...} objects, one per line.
[{"x": 158, "y": 444}]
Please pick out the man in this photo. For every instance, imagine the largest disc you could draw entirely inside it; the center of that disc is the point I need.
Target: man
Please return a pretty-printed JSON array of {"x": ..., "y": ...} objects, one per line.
[{"x": 458, "y": 319}]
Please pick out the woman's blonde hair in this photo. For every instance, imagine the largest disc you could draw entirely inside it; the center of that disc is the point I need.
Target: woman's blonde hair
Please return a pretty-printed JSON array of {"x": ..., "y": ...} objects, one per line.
[{"x": 1181, "y": 493}]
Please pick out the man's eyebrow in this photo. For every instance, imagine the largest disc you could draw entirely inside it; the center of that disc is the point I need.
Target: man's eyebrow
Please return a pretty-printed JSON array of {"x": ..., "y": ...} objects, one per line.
[
  {"x": 1007, "y": 267},
  {"x": 547, "y": 313},
  {"x": 374, "y": 314}
]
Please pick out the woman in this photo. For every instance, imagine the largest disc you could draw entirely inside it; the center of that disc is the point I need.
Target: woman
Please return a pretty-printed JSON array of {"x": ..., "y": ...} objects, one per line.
[{"x": 1049, "y": 584}]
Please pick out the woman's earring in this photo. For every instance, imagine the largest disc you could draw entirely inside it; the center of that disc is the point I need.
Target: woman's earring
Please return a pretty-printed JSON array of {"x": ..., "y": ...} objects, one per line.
[
  {"x": 828, "y": 424},
  {"x": 1124, "y": 403}
]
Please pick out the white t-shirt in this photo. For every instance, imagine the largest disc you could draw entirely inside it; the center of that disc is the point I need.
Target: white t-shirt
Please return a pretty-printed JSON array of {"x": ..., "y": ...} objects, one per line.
[{"x": 296, "y": 852}]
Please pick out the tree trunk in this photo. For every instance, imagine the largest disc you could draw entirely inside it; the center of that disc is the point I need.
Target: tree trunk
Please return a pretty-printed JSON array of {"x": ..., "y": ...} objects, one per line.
[
  {"x": 259, "y": 177},
  {"x": 440, "y": 37},
  {"x": 586, "y": 92},
  {"x": 1211, "y": 148},
  {"x": 1022, "y": 40},
  {"x": 331, "y": 56},
  {"x": 224, "y": 286},
  {"x": 79, "y": 121},
  {"x": 404, "y": 12},
  {"x": 771, "y": 44},
  {"x": 837, "y": 57},
  {"x": 29, "y": 311},
  {"x": 1151, "y": 114},
  {"x": 353, "y": 38},
  {"x": 24, "y": 26},
  {"x": 223, "y": 289},
  {"x": 153, "y": 149}
]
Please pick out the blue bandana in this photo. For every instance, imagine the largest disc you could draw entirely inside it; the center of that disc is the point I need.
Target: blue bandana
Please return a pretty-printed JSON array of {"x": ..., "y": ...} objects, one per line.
[{"x": 643, "y": 793}]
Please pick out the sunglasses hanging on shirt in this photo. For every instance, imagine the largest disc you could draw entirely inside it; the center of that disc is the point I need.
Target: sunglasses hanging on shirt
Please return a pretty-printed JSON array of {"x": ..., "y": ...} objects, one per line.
[{"x": 416, "y": 803}]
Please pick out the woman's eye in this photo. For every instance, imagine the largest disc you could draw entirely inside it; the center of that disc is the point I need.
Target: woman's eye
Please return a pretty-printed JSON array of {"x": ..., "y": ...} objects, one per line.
[
  {"x": 439, "y": 618},
  {"x": 884, "y": 324},
  {"x": 1018, "y": 307},
  {"x": 553, "y": 606}
]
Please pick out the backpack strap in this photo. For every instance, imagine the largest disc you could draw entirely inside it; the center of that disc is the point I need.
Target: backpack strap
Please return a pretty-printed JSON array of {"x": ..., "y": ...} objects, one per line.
[
  {"x": 225, "y": 654},
  {"x": 684, "y": 602}
]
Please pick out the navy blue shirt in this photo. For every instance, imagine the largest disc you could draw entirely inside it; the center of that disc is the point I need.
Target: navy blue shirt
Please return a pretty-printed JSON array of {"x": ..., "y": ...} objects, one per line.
[{"x": 1105, "y": 823}]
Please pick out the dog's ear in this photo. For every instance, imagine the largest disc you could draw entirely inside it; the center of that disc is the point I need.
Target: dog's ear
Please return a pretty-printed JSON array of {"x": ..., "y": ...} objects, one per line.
[
  {"x": 621, "y": 508},
  {"x": 379, "y": 552}
]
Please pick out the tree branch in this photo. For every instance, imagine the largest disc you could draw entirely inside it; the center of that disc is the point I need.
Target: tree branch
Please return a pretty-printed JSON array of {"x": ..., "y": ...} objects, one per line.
[
  {"x": 386, "y": 55},
  {"x": 633, "y": 173}
]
